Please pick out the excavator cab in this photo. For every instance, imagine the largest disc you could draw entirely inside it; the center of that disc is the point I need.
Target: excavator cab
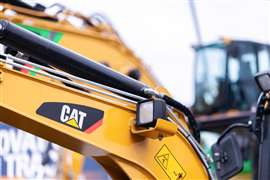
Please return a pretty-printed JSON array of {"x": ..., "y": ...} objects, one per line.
[{"x": 224, "y": 74}]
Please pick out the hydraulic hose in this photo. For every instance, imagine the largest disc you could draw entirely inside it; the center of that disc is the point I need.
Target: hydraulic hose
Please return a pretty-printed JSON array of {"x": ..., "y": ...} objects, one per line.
[{"x": 191, "y": 120}]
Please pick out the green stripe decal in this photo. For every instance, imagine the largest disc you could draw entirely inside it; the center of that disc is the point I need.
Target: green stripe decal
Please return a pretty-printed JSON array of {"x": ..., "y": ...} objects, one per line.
[
  {"x": 51, "y": 35},
  {"x": 33, "y": 73}
]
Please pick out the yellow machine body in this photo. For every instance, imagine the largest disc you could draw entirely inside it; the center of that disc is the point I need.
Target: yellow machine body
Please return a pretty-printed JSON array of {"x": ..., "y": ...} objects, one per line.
[
  {"x": 100, "y": 43},
  {"x": 112, "y": 143},
  {"x": 122, "y": 150}
]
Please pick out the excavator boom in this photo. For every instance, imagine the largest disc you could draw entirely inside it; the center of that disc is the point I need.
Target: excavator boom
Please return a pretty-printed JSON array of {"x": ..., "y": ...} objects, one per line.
[{"x": 94, "y": 121}]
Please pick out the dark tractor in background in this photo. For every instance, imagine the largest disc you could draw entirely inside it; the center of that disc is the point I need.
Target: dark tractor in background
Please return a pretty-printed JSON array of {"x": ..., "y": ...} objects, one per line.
[
  {"x": 226, "y": 92},
  {"x": 225, "y": 89}
]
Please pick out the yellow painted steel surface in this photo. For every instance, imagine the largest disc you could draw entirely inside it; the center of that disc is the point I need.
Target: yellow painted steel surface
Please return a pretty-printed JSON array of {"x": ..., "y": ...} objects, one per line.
[
  {"x": 99, "y": 43},
  {"x": 136, "y": 156},
  {"x": 120, "y": 152}
]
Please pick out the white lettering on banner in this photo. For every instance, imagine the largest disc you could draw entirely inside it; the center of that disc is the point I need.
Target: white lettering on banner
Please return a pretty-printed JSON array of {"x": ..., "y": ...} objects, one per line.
[
  {"x": 4, "y": 143},
  {"x": 21, "y": 155}
]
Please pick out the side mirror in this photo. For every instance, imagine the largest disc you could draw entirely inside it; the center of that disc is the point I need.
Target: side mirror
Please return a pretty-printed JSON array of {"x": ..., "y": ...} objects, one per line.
[
  {"x": 227, "y": 157},
  {"x": 263, "y": 81}
]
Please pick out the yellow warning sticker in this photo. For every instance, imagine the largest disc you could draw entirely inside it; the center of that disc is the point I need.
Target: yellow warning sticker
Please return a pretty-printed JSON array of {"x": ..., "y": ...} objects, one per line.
[{"x": 169, "y": 164}]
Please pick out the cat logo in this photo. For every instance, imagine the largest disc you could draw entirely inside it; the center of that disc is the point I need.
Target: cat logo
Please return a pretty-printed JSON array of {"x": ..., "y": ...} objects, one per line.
[
  {"x": 80, "y": 117},
  {"x": 73, "y": 117}
]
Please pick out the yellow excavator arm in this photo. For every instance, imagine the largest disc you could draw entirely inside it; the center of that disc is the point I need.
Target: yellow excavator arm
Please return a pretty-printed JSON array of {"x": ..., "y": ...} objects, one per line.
[
  {"x": 59, "y": 114},
  {"x": 99, "y": 41},
  {"x": 94, "y": 119}
]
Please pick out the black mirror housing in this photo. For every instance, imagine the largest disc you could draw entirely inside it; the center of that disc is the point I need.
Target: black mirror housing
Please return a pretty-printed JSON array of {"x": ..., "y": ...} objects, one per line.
[
  {"x": 227, "y": 157},
  {"x": 263, "y": 81}
]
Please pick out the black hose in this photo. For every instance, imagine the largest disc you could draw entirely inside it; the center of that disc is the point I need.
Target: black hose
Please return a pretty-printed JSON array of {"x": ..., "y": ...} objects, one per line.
[{"x": 191, "y": 120}]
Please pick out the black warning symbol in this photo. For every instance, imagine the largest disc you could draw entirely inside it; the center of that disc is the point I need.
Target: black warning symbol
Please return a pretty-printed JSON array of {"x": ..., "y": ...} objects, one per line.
[
  {"x": 164, "y": 159},
  {"x": 169, "y": 164}
]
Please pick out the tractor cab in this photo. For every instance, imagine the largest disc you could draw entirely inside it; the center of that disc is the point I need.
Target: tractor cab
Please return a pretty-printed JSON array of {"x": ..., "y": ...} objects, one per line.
[
  {"x": 224, "y": 80},
  {"x": 226, "y": 92}
]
